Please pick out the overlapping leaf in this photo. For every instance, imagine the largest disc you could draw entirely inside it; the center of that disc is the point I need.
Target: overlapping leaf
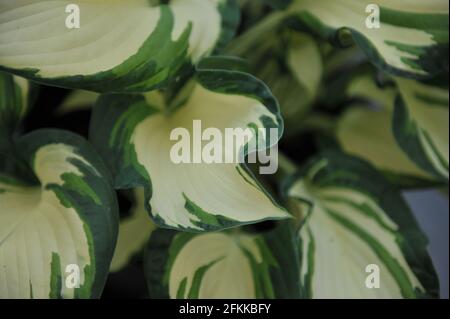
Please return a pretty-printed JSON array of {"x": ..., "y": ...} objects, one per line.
[
  {"x": 65, "y": 219},
  {"x": 405, "y": 132},
  {"x": 291, "y": 65},
  {"x": 421, "y": 125},
  {"x": 222, "y": 265},
  {"x": 352, "y": 218},
  {"x": 134, "y": 137},
  {"x": 366, "y": 130},
  {"x": 121, "y": 45},
  {"x": 412, "y": 39}
]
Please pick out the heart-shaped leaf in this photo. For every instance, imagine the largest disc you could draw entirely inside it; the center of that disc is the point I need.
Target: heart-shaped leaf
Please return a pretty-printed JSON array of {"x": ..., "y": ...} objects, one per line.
[
  {"x": 222, "y": 265},
  {"x": 358, "y": 238},
  {"x": 57, "y": 234},
  {"x": 134, "y": 136}
]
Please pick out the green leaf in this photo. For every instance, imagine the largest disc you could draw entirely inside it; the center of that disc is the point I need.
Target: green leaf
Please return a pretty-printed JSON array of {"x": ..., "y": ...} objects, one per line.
[
  {"x": 304, "y": 60},
  {"x": 133, "y": 135},
  {"x": 222, "y": 265},
  {"x": 305, "y": 67},
  {"x": 68, "y": 216},
  {"x": 290, "y": 63},
  {"x": 421, "y": 125},
  {"x": 134, "y": 232},
  {"x": 366, "y": 131},
  {"x": 410, "y": 122},
  {"x": 121, "y": 45},
  {"x": 13, "y": 102},
  {"x": 412, "y": 39},
  {"x": 77, "y": 100},
  {"x": 352, "y": 218}
]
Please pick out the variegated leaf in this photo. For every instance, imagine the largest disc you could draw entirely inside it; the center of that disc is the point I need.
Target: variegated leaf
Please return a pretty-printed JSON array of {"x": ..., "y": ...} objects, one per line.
[
  {"x": 421, "y": 125},
  {"x": 411, "y": 113},
  {"x": 134, "y": 136},
  {"x": 120, "y": 45},
  {"x": 57, "y": 233},
  {"x": 290, "y": 63},
  {"x": 366, "y": 130},
  {"x": 358, "y": 237},
  {"x": 411, "y": 40},
  {"x": 222, "y": 265}
]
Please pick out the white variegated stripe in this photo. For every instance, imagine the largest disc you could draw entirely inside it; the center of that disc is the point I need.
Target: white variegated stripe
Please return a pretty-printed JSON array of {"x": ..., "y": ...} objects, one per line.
[
  {"x": 47, "y": 161},
  {"x": 35, "y": 225},
  {"x": 432, "y": 120},
  {"x": 352, "y": 14},
  {"x": 338, "y": 255},
  {"x": 33, "y": 35},
  {"x": 230, "y": 273},
  {"x": 206, "y": 24},
  {"x": 219, "y": 189},
  {"x": 430, "y": 6},
  {"x": 134, "y": 232}
]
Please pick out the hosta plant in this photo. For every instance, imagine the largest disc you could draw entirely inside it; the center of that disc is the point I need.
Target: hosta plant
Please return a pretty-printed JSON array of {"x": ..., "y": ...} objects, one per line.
[{"x": 101, "y": 100}]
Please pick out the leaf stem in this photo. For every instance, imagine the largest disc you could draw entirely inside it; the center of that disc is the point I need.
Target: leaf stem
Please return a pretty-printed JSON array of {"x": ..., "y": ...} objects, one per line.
[{"x": 258, "y": 32}]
